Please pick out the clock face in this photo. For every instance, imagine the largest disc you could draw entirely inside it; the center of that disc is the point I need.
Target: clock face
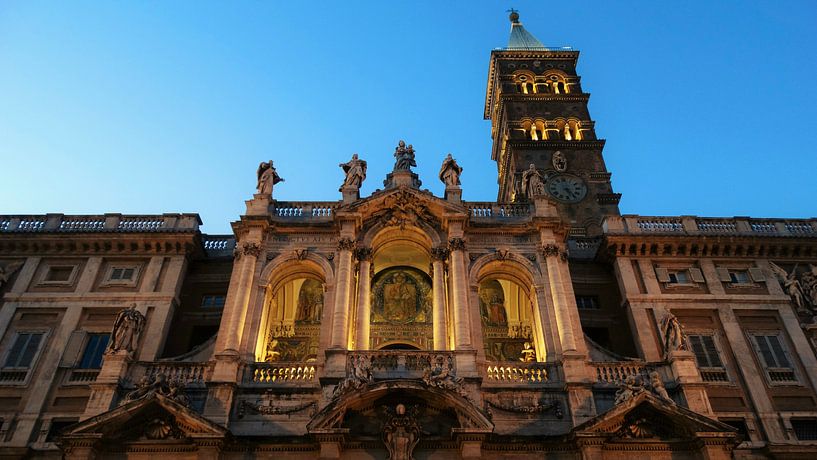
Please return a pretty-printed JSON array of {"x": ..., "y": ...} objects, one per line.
[{"x": 567, "y": 188}]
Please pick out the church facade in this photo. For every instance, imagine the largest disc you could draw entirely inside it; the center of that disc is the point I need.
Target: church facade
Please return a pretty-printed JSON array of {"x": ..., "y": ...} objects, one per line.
[{"x": 405, "y": 325}]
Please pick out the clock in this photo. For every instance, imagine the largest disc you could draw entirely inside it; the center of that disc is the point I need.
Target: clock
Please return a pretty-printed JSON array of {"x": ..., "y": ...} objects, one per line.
[{"x": 567, "y": 188}]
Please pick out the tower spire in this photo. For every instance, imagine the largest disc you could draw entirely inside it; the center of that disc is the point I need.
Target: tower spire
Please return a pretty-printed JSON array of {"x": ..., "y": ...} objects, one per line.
[{"x": 520, "y": 38}]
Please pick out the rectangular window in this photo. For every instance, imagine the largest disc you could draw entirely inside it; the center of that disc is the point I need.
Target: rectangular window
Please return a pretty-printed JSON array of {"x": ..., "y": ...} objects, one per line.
[
  {"x": 213, "y": 301},
  {"x": 94, "y": 348},
  {"x": 25, "y": 348},
  {"x": 59, "y": 274},
  {"x": 775, "y": 357},
  {"x": 805, "y": 429},
  {"x": 679, "y": 277},
  {"x": 587, "y": 302},
  {"x": 708, "y": 358},
  {"x": 671, "y": 276},
  {"x": 739, "y": 277},
  {"x": 122, "y": 274}
]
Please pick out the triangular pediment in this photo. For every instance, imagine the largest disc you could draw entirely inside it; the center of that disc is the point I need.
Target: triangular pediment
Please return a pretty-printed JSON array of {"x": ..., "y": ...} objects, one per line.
[
  {"x": 405, "y": 206},
  {"x": 648, "y": 417},
  {"x": 149, "y": 419}
]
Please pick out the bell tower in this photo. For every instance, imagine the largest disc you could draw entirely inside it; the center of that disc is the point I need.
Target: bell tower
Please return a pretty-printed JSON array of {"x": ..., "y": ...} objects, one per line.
[{"x": 544, "y": 141}]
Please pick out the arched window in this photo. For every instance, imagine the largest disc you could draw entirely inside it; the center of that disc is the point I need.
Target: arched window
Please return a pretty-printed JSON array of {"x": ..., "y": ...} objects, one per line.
[
  {"x": 525, "y": 83},
  {"x": 293, "y": 312},
  {"x": 556, "y": 83},
  {"x": 506, "y": 315}
]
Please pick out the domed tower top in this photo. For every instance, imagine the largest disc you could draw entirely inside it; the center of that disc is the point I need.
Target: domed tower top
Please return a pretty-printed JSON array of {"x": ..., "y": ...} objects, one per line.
[{"x": 520, "y": 38}]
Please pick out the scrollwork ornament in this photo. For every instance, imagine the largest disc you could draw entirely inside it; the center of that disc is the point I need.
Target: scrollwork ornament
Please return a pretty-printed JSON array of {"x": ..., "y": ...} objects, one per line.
[
  {"x": 346, "y": 244},
  {"x": 301, "y": 254},
  {"x": 456, "y": 244}
]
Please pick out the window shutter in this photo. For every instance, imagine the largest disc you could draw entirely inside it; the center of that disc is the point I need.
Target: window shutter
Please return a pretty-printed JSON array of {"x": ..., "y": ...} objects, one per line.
[
  {"x": 696, "y": 275},
  {"x": 723, "y": 274},
  {"x": 779, "y": 353},
  {"x": 757, "y": 274},
  {"x": 712, "y": 351},
  {"x": 662, "y": 274},
  {"x": 698, "y": 349},
  {"x": 764, "y": 351},
  {"x": 72, "y": 349}
]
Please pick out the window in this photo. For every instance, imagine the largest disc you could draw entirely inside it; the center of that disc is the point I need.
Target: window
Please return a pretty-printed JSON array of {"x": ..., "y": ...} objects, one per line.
[
  {"x": 587, "y": 302},
  {"x": 679, "y": 276},
  {"x": 805, "y": 429},
  {"x": 212, "y": 301},
  {"x": 25, "y": 348},
  {"x": 94, "y": 348},
  {"x": 708, "y": 358},
  {"x": 775, "y": 357},
  {"x": 59, "y": 274},
  {"x": 740, "y": 276},
  {"x": 122, "y": 274}
]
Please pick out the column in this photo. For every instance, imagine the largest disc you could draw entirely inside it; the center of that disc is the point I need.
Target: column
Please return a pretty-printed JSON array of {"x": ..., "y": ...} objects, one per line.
[
  {"x": 343, "y": 279},
  {"x": 440, "y": 325},
  {"x": 238, "y": 294},
  {"x": 459, "y": 285},
  {"x": 551, "y": 254},
  {"x": 364, "y": 301}
]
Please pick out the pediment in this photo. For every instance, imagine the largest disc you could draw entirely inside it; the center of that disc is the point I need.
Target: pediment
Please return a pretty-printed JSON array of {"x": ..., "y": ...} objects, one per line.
[
  {"x": 152, "y": 419},
  {"x": 647, "y": 417},
  {"x": 405, "y": 206}
]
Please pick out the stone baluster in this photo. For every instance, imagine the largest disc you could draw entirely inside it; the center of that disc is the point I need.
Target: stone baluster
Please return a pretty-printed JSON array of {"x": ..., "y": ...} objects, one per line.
[
  {"x": 340, "y": 321},
  {"x": 459, "y": 285},
  {"x": 439, "y": 256},
  {"x": 364, "y": 305}
]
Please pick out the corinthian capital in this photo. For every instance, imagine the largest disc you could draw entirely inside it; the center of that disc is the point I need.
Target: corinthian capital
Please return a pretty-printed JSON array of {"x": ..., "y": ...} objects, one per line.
[
  {"x": 440, "y": 253},
  {"x": 247, "y": 249},
  {"x": 363, "y": 254},
  {"x": 346, "y": 244},
  {"x": 456, "y": 244}
]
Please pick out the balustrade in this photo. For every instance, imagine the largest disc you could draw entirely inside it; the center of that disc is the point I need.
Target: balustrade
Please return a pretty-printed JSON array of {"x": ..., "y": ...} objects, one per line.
[
  {"x": 522, "y": 373},
  {"x": 703, "y": 225},
  {"x": 305, "y": 210},
  {"x": 617, "y": 372},
  {"x": 98, "y": 223},
  {"x": 184, "y": 372},
  {"x": 488, "y": 210},
  {"x": 279, "y": 373}
]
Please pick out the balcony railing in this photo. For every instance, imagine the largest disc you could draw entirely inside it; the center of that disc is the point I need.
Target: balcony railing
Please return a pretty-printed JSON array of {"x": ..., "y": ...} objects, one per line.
[
  {"x": 323, "y": 210},
  {"x": 191, "y": 374},
  {"x": 616, "y": 372},
  {"x": 691, "y": 225},
  {"x": 280, "y": 373},
  {"x": 99, "y": 223},
  {"x": 518, "y": 373},
  {"x": 498, "y": 211}
]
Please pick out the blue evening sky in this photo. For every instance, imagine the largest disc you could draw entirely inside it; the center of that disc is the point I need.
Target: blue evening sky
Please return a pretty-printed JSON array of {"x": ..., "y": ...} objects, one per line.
[{"x": 708, "y": 108}]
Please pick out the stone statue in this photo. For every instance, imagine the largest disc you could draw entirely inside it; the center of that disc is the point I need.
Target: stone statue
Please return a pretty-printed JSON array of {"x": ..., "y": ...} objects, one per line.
[
  {"x": 7, "y": 271},
  {"x": 401, "y": 433},
  {"x": 657, "y": 387},
  {"x": 404, "y": 157},
  {"x": 559, "y": 161},
  {"x": 630, "y": 387},
  {"x": 566, "y": 132},
  {"x": 146, "y": 388},
  {"x": 355, "y": 170},
  {"x": 528, "y": 354},
  {"x": 450, "y": 172},
  {"x": 272, "y": 353},
  {"x": 267, "y": 178},
  {"x": 127, "y": 328},
  {"x": 792, "y": 286},
  {"x": 532, "y": 184},
  {"x": 534, "y": 136},
  {"x": 358, "y": 375},
  {"x": 441, "y": 374},
  {"x": 672, "y": 333}
]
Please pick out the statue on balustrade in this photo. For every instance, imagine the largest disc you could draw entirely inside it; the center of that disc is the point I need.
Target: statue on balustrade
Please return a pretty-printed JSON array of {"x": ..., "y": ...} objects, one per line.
[
  {"x": 267, "y": 178},
  {"x": 532, "y": 183},
  {"x": 630, "y": 387},
  {"x": 127, "y": 328},
  {"x": 450, "y": 172},
  {"x": 528, "y": 354},
  {"x": 404, "y": 157},
  {"x": 355, "y": 170},
  {"x": 673, "y": 334},
  {"x": 658, "y": 388}
]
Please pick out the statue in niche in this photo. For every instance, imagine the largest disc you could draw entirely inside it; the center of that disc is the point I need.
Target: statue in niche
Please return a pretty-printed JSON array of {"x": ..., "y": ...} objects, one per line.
[
  {"x": 267, "y": 178},
  {"x": 450, "y": 172},
  {"x": 673, "y": 334},
  {"x": 127, "y": 328},
  {"x": 532, "y": 183},
  {"x": 404, "y": 157},
  {"x": 310, "y": 302},
  {"x": 355, "y": 170},
  {"x": 559, "y": 161},
  {"x": 401, "y": 433}
]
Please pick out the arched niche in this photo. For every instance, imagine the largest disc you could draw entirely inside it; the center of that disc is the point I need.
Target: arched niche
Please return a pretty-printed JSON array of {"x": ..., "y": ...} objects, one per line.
[
  {"x": 294, "y": 303},
  {"x": 401, "y": 289},
  {"x": 511, "y": 325}
]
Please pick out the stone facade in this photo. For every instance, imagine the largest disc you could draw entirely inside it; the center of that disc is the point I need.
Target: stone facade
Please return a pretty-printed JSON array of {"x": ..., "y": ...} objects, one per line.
[{"x": 405, "y": 325}]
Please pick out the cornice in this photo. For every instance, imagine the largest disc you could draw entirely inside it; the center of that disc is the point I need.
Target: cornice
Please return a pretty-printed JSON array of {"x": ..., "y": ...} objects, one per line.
[
  {"x": 524, "y": 144},
  {"x": 710, "y": 245}
]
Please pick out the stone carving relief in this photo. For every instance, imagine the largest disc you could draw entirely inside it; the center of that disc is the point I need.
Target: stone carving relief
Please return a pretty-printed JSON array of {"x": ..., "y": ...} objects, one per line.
[
  {"x": 456, "y": 244},
  {"x": 127, "y": 328},
  {"x": 552, "y": 250},
  {"x": 267, "y": 178},
  {"x": 450, "y": 172},
  {"x": 7, "y": 271},
  {"x": 401, "y": 432},
  {"x": 635, "y": 384},
  {"x": 159, "y": 385},
  {"x": 404, "y": 209},
  {"x": 559, "y": 161},
  {"x": 802, "y": 289},
  {"x": 441, "y": 374},
  {"x": 247, "y": 249},
  {"x": 245, "y": 407},
  {"x": 355, "y": 170},
  {"x": 522, "y": 404},
  {"x": 358, "y": 375},
  {"x": 346, "y": 244},
  {"x": 162, "y": 428}
]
